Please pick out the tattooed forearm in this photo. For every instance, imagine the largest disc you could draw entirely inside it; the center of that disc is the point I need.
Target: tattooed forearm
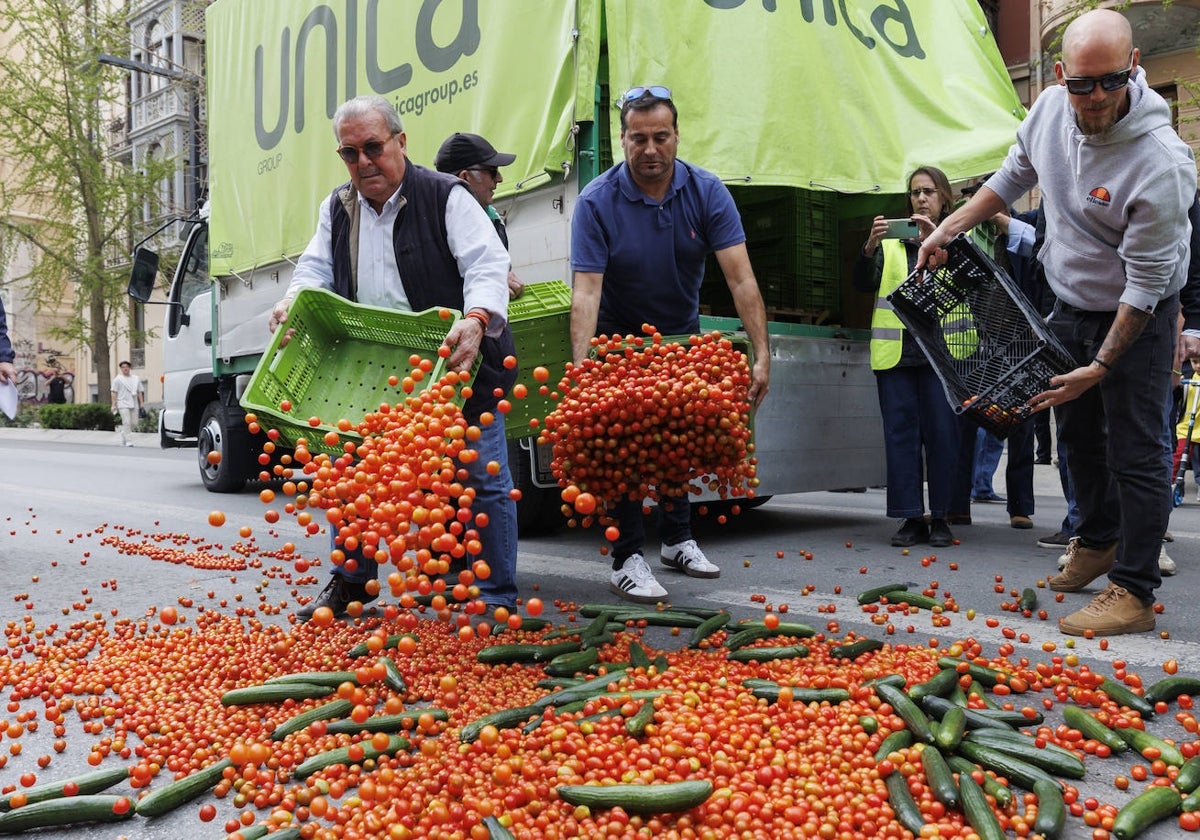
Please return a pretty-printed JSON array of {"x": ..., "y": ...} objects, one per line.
[{"x": 1125, "y": 329}]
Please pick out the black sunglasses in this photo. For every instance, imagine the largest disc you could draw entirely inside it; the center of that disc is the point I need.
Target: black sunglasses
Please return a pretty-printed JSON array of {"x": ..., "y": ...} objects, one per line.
[
  {"x": 372, "y": 150},
  {"x": 491, "y": 170},
  {"x": 1084, "y": 85},
  {"x": 657, "y": 91}
]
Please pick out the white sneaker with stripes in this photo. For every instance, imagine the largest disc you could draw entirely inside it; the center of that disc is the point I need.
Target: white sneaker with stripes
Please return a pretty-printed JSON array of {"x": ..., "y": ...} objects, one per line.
[{"x": 635, "y": 582}]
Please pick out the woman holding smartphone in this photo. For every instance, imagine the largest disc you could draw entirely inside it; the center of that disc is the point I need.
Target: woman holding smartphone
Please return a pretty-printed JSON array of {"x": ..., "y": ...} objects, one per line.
[{"x": 921, "y": 431}]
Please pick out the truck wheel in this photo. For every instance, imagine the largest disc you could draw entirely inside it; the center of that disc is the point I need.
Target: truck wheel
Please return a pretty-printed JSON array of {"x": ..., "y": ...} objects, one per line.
[
  {"x": 228, "y": 474},
  {"x": 538, "y": 510}
]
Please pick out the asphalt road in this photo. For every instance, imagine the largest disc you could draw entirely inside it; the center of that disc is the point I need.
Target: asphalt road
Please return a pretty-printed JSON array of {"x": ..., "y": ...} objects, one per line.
[{"x": 66, "y": 492}]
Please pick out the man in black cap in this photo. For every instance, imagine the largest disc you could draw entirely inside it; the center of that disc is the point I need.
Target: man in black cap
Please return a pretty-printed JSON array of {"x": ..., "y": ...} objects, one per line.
[{"x": 477, "y": 162}]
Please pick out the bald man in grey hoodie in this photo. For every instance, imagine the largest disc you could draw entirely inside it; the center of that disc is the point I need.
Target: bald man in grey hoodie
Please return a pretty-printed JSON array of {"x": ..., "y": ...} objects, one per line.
[{"x": 1118, "y": 183}]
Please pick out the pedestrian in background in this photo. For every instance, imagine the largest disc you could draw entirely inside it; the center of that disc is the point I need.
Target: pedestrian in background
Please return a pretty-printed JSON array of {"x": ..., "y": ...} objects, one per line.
[
  {"x": 127, "y": 400},
  {"x": 8, "y": 373},
  {"x": 921, "y": 432},
  {"x": 401, "y": 236},
  {"x": 1118, "y": 183},
  {"x": 639, "y": 238}
]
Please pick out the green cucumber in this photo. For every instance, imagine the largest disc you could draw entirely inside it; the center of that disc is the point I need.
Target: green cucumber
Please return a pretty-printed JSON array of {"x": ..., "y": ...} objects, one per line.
[
  {"x": 571, "y": 663},
  {"x": 496, "y": 831},
  {"x": 526, "y": 654},
  {"x": 330, "y": 678},
  {"x": 939, "y": 685},
  {"x": 555, "y": 683},
  {"x": 638, "y": 657},
  {"x": 636, "y": 725},
  {"x": 769, "y": 690},
  {"x": 871, "y": 596},
  {"x": 1169, "y": 688},
  {"x": 1122, "y": 696},
  {"x": 528, "y": 625},
  {"x": 991, "y": 785},
  {"x": 642, "y": 800},
  {"x": 707, "y": 628},
  {"x": 583, "y": 691},
  {"x": 341, "y": 755},
  {"x": 895, "y": 680},
  {"x": 659, "y": 618},
  {"x": 1092, "y": 728},
  {"x": 903, "y": 804},
  {"x": 765, "y": 654},
  {"x": 1188, "y": 779},
  {"x": 908, "y": 711},
  {"x": 915, "y": 599},
  {"x": 588, "y": 641},
  {"x": 97, "y": 807},
  {"x": 855, "y": 649},
  {"x": 1141, "y": 741},
  {"x": 1051, "y": 758},
  {"x": 978, "y": 812},
  {"x": 979, "y": 673},
  {"x": 87, "y": 783},
  {"x": 384, "y": 723},
  {"x": 1191, "y": 802},
  {"x": 327, "y": 711},
  {"x": 275, "y": 693},
  {"x": 977, "y": 690},
  {"x": 1002, "y": 764},
  {"x": 164, "y": 799},
  {"x": 980, "y": 718},
  {"x": 783, "y": 628},
  {"x": 252, "y": 832},
  {"x": 1144, "y": 810},
  {"x": 392, "y": 676},
  {"x": 1028, "y": 600},
  {"x": 389, "y": 643},
  {"x": 941, "y": 780},
  {"x": 1052, "y": 811},
  {"x": 901, "y": 739},
  {"x": 503, "y": 719},
  {"x": 950, "y": 733}
]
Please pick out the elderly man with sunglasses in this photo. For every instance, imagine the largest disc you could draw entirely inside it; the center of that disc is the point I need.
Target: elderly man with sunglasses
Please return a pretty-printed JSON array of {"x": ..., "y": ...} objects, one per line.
[
  {"x": 639, "y": 238},
  {"x": 405, "y": 237},
  {"x": 1117, "y": 182}
]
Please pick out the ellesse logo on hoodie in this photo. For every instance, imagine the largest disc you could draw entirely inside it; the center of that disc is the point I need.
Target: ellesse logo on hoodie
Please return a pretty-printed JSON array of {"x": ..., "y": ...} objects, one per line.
[{"x": 1100, "y": 196}]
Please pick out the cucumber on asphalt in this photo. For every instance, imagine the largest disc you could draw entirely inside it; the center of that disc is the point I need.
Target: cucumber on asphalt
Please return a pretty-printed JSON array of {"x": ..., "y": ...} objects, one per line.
[
  {"x": 1169, "y": 688},
  {"x": 939, "y": 776},
  {"x": 275, "y": 693},
  {"x": 326, "y": 711},
  {"x": 341, "y": 755},
  {"x": 766, "y": 654},
  {"x": 977, "y": 810},
  {"x": 855, "y": 649},
  {"x": 384, "y": 723},
  {"x": 1052, "y": 811},
  {"x": 903, "y": 804},
  {"x": 991, "y": 785},
  {"x": 1122, "y": 696},
  {"x": 161, "y": 800},
  {"x": 1141, "y": 741},
  {"x": 1091, "y": 727},
  {"x": 706, "y": 629},
  {"x": 664, "y": 798},
  {"x": 97, "y": 807},
  {"x": 1002, "y": 764},
  {"x": 870, "y": 596},
  {"x": 1144, "y": 810},
  {"x": 1052, "y": 758},
  {"x": 908, "y": 711},
  {"x": 939, "y": 685},
  {"x": 85, "y": 784}
]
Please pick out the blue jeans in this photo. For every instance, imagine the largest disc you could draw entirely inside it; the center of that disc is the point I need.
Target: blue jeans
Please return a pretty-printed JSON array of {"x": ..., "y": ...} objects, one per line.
[
  {"x": 988, "y": 449},
  {"x": 674, "y": 525},
  {"x": 499, "y": 538},
  {"x": 1070, "y": 523},
  {"x": 1114, "y": 439},
  {"x": 920, "y": 431}
]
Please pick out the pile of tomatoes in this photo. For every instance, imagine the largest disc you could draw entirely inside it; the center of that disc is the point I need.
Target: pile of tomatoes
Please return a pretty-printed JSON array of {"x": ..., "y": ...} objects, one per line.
[{"x": 654, "y": 418}]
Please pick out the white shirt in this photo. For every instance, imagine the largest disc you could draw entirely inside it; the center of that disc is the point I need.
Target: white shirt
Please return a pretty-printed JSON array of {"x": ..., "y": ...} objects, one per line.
[
  {"x": 125, "y": 389},
  {"x": 482, "y": 259}
]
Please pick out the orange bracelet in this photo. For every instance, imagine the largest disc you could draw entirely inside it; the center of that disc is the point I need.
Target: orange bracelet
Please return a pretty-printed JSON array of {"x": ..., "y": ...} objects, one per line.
[{"x": 480, "y": 316}]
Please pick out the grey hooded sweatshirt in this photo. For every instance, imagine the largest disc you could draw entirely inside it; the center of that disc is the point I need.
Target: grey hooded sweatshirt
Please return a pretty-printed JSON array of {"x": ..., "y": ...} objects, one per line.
[{"x": 1116, "y": 203}]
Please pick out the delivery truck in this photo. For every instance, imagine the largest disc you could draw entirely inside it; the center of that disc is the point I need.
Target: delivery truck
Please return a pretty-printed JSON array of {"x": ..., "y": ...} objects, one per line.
[{"x": 812, "y": 112}]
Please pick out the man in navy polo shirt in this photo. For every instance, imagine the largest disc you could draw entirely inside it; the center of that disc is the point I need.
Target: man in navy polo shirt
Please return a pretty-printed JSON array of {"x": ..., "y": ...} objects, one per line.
[{"x": 639, "y": 238}]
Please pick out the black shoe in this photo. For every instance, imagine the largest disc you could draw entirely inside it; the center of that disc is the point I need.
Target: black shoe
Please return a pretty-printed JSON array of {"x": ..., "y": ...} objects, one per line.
[
  {"x": 911, "y": 532},
  {"x": 959, "y": 518},
  {"x": 1059, "y": 541},
  {"x": 1044, "y": 460},
  {"x": 939, "y": 533},
  {"x": 989, "y": 497},
  {"x": 336, "y": 595}
]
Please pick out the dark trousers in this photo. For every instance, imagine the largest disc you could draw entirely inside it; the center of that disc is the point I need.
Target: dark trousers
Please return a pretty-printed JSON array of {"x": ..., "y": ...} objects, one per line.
[
  {"x": 1114, "y": 439},
  {"x": 920, "y": 432},
  {"x": 1018, "y": 471},
  {"x": 1041, "y": 436},
  {"x": 674, "y": 525}
]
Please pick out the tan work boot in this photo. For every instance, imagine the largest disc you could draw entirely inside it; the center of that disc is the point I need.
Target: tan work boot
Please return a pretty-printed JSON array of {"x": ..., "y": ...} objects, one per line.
[
  {"x": 1111, "y": 613},
  {"x": 1083, "y": 566}
]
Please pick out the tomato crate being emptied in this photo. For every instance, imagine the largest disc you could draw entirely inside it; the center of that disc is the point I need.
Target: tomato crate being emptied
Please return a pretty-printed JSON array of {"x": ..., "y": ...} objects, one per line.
[
  {"x": 985, "y": 340},
  {"x": 337, "y": 363},
  {"x": 540, "y": 320}
]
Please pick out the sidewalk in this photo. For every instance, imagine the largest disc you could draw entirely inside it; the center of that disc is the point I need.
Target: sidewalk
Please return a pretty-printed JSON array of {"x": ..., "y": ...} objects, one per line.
[{"x": 94, "y": 437}]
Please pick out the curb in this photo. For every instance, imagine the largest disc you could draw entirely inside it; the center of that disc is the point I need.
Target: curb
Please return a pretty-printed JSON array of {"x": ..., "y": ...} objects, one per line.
[{"x": 145, "y": 440}]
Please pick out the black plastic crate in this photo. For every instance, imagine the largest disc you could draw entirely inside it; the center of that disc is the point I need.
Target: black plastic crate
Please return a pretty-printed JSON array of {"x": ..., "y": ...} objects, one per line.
[{"x": 986, "y": 341}]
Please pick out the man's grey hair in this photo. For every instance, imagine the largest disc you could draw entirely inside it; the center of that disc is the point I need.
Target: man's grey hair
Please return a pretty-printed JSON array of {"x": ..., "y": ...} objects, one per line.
[{"x": 361, "y": 106}]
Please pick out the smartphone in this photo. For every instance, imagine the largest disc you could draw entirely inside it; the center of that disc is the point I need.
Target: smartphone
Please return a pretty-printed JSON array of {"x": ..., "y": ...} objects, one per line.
[{"x": 901, "y": 229}]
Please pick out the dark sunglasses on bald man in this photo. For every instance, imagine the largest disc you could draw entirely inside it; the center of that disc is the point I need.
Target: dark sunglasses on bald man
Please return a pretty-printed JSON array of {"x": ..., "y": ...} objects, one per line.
[
  {"x": 657, "y": 91},
  {"x": 373, "y": 150},
  {"x": 1084, "y": 85}
]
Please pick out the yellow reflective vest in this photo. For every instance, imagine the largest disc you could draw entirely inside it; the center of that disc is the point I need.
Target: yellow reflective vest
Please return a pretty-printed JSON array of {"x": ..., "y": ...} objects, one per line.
[{"x": 887, "y": 333}]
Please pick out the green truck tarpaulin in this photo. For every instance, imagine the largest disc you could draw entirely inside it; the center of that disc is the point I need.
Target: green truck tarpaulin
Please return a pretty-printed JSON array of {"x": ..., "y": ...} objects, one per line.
[{"x": 815, "y": 94}]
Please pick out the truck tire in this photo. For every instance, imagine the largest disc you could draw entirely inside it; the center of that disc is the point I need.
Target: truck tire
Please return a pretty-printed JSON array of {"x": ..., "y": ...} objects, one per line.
[
  {"x": 538, "y": 509},
  {"x": 228, "y": 475}
]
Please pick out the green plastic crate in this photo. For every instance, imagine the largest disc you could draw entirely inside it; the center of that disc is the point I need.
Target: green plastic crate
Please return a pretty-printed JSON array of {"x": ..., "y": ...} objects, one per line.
[
  {"x": 337, "y": 364},
  {"x": 540, "y": 320}
]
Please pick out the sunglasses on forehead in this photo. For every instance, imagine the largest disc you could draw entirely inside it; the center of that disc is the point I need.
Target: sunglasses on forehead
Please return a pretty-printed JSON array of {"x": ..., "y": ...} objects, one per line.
[
  {"x": 657, "y": 91},
  {"x": 1084, "y": 85},
  {"x": 372, "y": 150}
]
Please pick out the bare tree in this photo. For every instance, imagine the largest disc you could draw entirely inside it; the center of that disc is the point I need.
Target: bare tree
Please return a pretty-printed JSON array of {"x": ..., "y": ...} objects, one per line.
[{"x": 62, "y": 193}]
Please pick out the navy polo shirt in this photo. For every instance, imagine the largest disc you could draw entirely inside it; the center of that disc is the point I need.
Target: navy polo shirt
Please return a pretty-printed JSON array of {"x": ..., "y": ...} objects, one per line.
[{"x": 652, "y": 253}]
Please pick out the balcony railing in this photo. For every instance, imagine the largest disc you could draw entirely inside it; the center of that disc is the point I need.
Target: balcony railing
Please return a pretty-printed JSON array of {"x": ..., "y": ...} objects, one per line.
[{"x": 161, "y": 105}]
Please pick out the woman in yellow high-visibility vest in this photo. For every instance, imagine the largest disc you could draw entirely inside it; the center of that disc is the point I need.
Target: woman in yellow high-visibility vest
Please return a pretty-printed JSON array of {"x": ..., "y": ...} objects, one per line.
[{"x": 921, "y": 431}]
